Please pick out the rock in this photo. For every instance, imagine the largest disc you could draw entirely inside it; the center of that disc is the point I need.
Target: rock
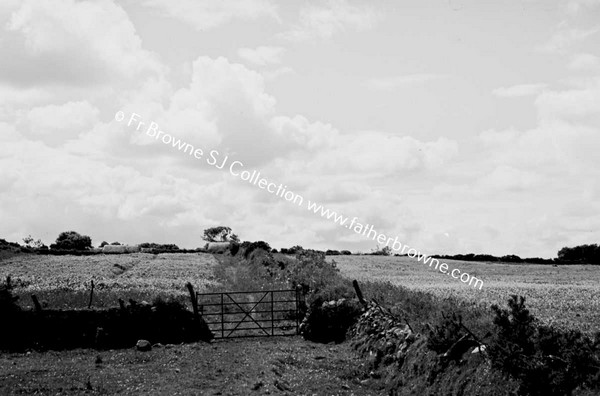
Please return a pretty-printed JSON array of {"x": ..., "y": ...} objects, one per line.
[
  {"x": 479, "y": 349},
  {"x": 143, "y": 346}
]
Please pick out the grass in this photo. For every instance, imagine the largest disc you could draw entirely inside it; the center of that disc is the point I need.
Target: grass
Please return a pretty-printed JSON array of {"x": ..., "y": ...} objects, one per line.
[
  {"x": 564, "y": 296},
  {"x": 64, "y": 281}
]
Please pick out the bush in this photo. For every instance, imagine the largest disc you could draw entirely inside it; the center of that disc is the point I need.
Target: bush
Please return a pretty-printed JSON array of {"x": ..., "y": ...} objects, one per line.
[
  {"x": 162, "y": 248},
  {"x": 312, "y": 272},
  {"x": 385, "y": 251},
  {"x": 8, "y": 302},
  {"x": 234, "y": 248},
  {"x": 585, "y": 254},
  {"x": 71, "y": 240},
  {"x": 251, "y": 246},
  {"x": 545, "y": 360},
  {"x": 330, "y": 322},
  {"x": 346, "y": 253},
  {"x": 332, "y": 253}
]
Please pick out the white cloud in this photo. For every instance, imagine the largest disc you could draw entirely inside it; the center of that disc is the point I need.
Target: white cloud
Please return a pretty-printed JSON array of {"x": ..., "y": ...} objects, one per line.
[
  {"x": 518, "y": 90},
  {"x": 566, "y": 37},
  {"x": 584, "y": 62},
  {"x": 391, "y": 83},
  {"x": 262, "y": 56},
  {"x": 55, "y": 123},
  {"x": 97, "y": 38},
  {"x": 209, "y": 14},
  {"x": 508, "y": 178},
  {"x": 324, "y": 21},
  {"x": 577, "y": 102}
]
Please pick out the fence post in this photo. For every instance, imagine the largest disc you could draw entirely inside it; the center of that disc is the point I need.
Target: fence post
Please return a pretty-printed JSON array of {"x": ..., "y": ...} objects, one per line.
[
  {"x": 222, "y": 318},
  {"x": 91, "y": 295},
  {"x": 193, "y": 298}
]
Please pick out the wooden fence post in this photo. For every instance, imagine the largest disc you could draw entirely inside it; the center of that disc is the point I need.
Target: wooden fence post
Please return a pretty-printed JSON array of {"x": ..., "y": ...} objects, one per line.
[
  {"x": 358, "y": 292},
  {"x": 193, "y": 298},
  {"x": 36, "y": 303},
  {"x": 91, "y": 295}
]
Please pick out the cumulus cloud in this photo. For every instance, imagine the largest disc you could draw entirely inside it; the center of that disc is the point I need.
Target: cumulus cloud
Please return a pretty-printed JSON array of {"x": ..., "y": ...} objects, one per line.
[
  {"x": 324, "y": 21},
  {"x": 56, "y": 123},
  {"x": 97, "y": 38},
  {"x": 575, "y": 102}
]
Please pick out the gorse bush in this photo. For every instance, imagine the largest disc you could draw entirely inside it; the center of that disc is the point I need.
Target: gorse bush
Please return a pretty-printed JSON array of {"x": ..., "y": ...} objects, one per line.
[{"x": 545, "y": 360}]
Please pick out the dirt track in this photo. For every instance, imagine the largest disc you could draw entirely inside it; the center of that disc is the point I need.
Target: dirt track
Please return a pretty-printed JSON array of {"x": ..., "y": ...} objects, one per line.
[{"x": 262, "y": 366}]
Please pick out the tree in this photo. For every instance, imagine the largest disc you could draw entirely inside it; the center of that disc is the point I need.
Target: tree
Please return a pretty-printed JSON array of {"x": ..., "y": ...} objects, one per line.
[
  {"x": 31, "y": 243},
  {"x": 219, "y": 234},
  {"x": 585, "y": 254},
  {"x": 385, "y": 251},
  {"x": 104, "y": 243},
  {"x": 71, "y": 240}
]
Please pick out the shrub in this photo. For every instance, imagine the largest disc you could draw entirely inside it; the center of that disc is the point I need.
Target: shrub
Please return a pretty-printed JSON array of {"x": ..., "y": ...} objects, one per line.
[
  {"x": 8, "y": 302},
  {"x": 71, "y": 240},
  {"x": 234, "y": 248},
  {"x": 545, "y": 360},
  {"x": 295, "y": 249},
  {"x": 332, "y": 253},
  {"x": 330, "y": 322},
  {"x": 385, "y": 251},
  {"x": 312, "y": 272},
  {"x": 250, "y": 247},
  {"x": 346, "y": 252},
  {"x": 161, "y": 248}
]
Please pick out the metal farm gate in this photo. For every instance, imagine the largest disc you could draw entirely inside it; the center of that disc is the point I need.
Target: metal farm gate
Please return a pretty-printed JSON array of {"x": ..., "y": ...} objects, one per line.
[{"x": 251, "y": 314}]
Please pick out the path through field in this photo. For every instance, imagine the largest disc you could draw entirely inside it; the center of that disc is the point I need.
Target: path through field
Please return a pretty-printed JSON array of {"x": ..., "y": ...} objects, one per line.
[{"x": 235, "y": 367}]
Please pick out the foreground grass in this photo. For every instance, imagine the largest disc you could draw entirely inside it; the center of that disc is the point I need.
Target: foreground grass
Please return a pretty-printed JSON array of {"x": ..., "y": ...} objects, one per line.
[{"x": 236, "y": 367}]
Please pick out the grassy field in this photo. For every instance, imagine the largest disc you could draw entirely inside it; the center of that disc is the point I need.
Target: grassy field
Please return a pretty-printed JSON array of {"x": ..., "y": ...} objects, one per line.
[
  {"x": 567, "y": 296},
  {"x": 64, "y": 281}
]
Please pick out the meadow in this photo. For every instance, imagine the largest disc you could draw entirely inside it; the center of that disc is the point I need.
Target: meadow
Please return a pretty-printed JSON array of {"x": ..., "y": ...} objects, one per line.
[
  {"x": 567, "y": 296},
  {"x": 65, "y": 281}
]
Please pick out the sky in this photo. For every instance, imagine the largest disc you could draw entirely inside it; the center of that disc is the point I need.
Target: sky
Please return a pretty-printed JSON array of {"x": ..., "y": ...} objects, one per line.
[{"x": 456, "y": 126}]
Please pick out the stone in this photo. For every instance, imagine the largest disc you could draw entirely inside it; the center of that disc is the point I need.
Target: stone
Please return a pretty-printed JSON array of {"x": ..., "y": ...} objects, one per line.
[
  {"x": 143, "y": 346},
  {"x": 479, "y": 349}
]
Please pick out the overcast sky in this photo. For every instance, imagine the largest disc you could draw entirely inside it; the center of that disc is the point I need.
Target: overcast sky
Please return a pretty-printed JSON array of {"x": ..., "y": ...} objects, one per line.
[{"x": 458, "y": 126}]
